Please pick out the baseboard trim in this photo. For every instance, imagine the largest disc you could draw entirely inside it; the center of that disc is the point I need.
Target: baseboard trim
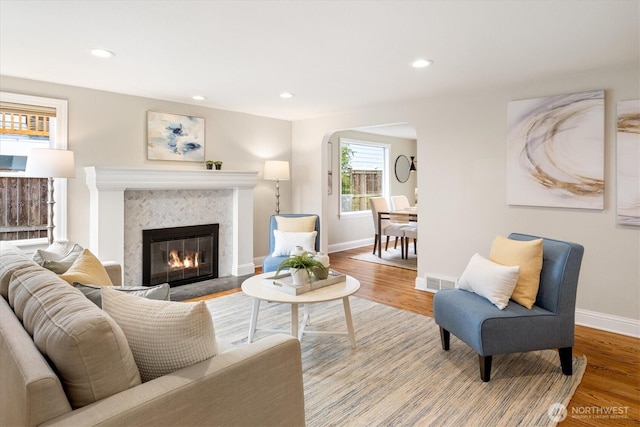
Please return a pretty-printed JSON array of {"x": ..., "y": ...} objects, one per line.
[
  {"x": 243, "y": 270},
  {"x": 608, "y": 322},
  {"x": 337, "y": 247}
]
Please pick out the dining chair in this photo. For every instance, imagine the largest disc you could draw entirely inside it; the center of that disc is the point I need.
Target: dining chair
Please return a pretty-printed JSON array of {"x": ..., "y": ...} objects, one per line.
[
  {"x": 388, "y": 228},
  {"x": 400, "y": 203}
]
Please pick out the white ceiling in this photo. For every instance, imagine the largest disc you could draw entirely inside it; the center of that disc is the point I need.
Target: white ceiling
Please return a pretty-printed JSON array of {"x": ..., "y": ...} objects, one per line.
[{"x": 333, "y": 55}]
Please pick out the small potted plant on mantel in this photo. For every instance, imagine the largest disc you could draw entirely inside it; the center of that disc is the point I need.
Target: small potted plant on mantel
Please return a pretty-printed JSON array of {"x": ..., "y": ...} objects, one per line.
[
  {"x": 301, "y": 267},
  {"x": 211, "y": 163}
]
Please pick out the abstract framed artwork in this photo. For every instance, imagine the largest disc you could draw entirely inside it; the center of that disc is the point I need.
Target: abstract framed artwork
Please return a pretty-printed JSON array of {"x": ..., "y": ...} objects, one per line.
[
  {"x": 555, "y": 151},
  {"x": 628, "y": 163},
  {"x": 175, "y": 137}
]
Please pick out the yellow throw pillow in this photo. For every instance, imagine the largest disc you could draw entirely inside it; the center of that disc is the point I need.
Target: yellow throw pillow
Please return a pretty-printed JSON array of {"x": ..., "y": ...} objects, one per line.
[
  {"x": 87, "y": 269},
  {"x": 296, "y": 224},
  {"x": 527, "y": 255}
]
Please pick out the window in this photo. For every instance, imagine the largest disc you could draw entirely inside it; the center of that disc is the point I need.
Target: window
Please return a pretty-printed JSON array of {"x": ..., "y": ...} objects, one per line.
[
  {"x": 29, "y": 122},
  {"x": 363, "y": 173}
]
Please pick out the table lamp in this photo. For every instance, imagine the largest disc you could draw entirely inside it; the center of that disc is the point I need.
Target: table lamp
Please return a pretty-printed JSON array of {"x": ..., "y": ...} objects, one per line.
[
  {"x": 276, "y": 170},
  {"x": 50, "y": 163}
]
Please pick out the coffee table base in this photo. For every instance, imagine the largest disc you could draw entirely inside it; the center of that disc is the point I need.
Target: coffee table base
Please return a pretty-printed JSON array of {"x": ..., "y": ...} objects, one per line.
[{"x": 299, "y": 332}]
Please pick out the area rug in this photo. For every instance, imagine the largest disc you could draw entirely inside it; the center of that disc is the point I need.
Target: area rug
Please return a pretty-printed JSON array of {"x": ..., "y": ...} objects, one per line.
[
  {"x": 392, "y": 257},
  {"x": 399, "y": 375}
]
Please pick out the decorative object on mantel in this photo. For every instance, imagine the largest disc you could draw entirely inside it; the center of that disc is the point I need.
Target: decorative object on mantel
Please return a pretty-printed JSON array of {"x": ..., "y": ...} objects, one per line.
[
  {"x": 217, "y": 164},
  {"x": 175, "y": 137},
  {"x": 276, "y": 170},
  {"x": 555, "y": 151},
  {"x": 50, "y": 163},
  {"x": 628, "y": 164},
  {"x": 209, "y": 164}
]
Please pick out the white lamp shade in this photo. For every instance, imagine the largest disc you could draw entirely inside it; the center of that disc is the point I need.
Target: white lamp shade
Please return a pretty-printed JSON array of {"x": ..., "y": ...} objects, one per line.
[
  {"x": 50, "y": 163},
  {"x": 276, "y": 170}
]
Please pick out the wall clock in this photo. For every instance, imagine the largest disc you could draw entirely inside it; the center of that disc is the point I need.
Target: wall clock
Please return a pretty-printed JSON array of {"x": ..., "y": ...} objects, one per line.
[{"x": 402, "y": 168}]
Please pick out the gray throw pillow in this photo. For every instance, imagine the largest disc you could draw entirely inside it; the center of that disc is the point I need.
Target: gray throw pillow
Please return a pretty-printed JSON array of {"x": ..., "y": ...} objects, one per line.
[
  {"x": 58, "y": 257},
  {"x": 94, "y": 292}
]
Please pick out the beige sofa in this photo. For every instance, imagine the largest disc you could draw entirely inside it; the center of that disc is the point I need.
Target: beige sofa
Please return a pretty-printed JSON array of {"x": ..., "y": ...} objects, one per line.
[{"x": 43, "y": 366}]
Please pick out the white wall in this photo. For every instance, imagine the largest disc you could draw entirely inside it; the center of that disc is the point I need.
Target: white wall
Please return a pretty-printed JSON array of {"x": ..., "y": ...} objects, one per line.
[
  {"x": 462, "y": 206},
  {"x": 109, "y": 130}
]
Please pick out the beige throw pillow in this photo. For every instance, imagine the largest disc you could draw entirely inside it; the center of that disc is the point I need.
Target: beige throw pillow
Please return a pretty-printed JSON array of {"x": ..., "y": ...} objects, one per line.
[
  {"x": 526, "y": 254},
  {"x": 87, "y": 269},
  {"x": 164, "y": 336},
  {"x": 296, "y": 224}
]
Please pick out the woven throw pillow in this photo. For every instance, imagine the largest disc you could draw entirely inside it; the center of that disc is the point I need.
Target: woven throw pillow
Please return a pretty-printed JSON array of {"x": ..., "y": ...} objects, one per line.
[
  {"x": 492, "y": 281},
  {"x": 87, "y": 269},
  {"x": 286, "y": 242},
  {"x": 94, "y": 292},
  {"x": 296, "y": 224},
  {"x": 526, "y": 254},
  {"x": 164, "y": 336}
]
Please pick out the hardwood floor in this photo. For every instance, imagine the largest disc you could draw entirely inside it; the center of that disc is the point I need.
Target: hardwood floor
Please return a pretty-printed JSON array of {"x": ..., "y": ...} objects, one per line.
[{"x": 610, "y": 383}]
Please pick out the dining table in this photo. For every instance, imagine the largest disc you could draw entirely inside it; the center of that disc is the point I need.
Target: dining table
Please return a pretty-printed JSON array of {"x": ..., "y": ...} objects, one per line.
[{"x": 403, "y": 216}]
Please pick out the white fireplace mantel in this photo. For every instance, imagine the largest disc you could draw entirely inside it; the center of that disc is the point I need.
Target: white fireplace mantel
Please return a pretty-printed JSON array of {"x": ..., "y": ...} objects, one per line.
[{"x": 107, "y": 187}]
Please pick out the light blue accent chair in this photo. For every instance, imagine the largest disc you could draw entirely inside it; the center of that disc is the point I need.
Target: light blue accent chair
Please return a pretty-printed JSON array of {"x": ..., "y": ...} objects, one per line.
[
  {"x": 550, "y": 324},
  {"x": 271, "y": 263}
]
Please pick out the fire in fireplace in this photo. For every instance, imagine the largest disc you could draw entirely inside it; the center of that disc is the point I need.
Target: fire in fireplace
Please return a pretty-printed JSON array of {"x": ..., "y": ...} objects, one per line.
[{"x": 180, "y": 255}]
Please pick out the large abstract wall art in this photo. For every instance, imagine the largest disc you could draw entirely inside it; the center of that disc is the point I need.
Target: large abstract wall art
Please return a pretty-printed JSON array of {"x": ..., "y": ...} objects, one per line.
[
  {"x": 175, "y": 137},
  {"x": 628, "y": 164},
  {"x": 555, "y": 153}
]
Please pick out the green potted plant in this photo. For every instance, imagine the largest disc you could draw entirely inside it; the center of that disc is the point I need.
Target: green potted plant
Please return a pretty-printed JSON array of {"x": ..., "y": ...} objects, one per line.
[
  {"x": 209, "y": 164},
  {"x": 301, "y": 267},
  {"x": 218, "y": 164}
]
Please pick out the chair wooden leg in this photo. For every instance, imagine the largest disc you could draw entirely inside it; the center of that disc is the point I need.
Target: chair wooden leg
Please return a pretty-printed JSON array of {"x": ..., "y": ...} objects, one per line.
[
  {"x": 485, "y": 368},
  {"x": 375, "y": 244},
  {"x": 386, "y": 246},
  {"x": 406, "y": 248},
  {"x": 445, "y": 338},
  {"x": 566, "y": 360},
  {"x": 395, "y": 243},
  {"x": 415, "y": 246}
]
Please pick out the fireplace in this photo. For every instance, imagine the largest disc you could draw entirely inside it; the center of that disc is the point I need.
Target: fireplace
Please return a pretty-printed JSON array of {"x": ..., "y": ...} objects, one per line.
[{"x": 180, "y": 255}]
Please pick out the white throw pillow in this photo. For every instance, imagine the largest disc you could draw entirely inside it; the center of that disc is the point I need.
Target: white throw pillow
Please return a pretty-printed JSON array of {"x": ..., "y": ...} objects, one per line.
[
  {"x": 286, "y": 242},
  {"x": 164, "y": 336},
  {"x": 492, "y": 281}
]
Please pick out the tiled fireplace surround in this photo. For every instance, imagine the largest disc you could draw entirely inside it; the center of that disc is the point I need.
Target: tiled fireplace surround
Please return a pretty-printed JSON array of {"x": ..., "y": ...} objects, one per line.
[{"x": 123, "y": 202}]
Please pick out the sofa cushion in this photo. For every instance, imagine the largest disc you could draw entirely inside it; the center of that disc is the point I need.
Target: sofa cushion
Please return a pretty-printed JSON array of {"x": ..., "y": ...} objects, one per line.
[
  {"x": 11, "y": 260},
  {"x": 164, "y": 336},
  {"x": 87, "y": 348},
  {"x": 296, "y": 224},
  {"x": 94, "y": 292},
  {"x": 87, "y": 269},
  {"x": 493, "y": 281},
  {"x": 527, "y": 255}
]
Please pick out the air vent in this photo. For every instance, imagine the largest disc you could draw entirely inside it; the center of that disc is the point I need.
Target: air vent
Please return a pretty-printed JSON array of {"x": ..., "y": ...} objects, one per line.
[{"x": 436, "y": 282}]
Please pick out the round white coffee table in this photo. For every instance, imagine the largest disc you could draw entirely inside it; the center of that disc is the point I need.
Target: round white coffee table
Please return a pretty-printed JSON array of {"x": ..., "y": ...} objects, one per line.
[{"x": 254, "y": 287}]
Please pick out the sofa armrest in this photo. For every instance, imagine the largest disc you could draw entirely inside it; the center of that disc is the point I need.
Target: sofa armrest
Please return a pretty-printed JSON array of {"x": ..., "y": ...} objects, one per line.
[
  {"x": 253, "y": 384},
  {"x": 114, "y": 270}
]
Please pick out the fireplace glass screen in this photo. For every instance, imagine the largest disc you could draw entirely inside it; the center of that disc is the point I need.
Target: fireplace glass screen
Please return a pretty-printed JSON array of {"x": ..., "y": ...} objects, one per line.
[{"x": 180, "y": 255}]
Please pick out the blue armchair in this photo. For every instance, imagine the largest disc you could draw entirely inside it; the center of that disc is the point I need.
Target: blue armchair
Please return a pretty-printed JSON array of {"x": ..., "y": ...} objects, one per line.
[
  {"x": 548, "y": 325},
  {"x": 271, "y": 263}
]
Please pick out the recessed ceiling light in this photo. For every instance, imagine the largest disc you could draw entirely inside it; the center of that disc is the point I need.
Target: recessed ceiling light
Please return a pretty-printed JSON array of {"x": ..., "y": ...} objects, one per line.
[
  {"x": 286, "y": 95},
  {"x": 199, "y": 97},
  {"x": 102, "y": 53},
  {"x": 421, "y": 63}
]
